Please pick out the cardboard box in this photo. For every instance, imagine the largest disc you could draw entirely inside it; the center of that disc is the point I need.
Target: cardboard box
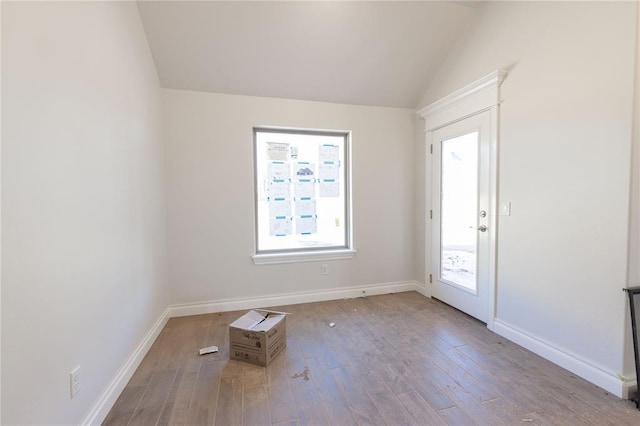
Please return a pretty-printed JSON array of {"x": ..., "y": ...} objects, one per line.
[{"x": 257, "y": 337}]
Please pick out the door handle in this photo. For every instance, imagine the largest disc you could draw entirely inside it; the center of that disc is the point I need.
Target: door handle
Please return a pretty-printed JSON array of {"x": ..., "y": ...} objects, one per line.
[{"x": 482, "y": 228}]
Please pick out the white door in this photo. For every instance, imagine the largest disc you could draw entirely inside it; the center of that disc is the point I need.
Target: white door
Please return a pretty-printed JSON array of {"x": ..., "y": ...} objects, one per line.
[{"x": 461, "y": 214}]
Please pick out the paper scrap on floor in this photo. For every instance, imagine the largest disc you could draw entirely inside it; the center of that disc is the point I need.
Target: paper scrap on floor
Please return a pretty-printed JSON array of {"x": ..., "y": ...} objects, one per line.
[{"x": 208, "y": 350}]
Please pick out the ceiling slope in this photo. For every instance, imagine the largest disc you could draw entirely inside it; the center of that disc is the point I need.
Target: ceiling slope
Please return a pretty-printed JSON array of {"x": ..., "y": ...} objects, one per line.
[{"x": 365, "y": 53}]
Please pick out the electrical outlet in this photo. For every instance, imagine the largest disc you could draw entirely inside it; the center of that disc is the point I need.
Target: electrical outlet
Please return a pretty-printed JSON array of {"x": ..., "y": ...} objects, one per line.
[
  {"x": 324, "y": 269},
  {"x": 74, "y": 381}
]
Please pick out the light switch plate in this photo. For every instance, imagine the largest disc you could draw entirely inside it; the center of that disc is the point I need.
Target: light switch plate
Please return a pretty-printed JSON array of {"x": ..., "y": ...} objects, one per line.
[
  {"x": 505, "y": 208},
  {"x": 74, "y": 381}
]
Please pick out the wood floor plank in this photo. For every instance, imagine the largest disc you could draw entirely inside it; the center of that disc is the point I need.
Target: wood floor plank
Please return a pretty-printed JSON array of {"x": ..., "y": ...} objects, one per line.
[
  {"x": 336, "y": 409},
  {"x": 255, "y": 406},
  {"x": 289, "y": 423},
  {"x": 178, "y": 344},
  {"x": 312, "y": 415},
  {"x": 504, "y": 410},
  {"x": 203, "y": 404},
  {"x": 473, "y": 408},
  {"x": 476, "y": 388},
  {"x": 394, "y": 381},
  {"x": 363, "y": 409},
  {"x": 385, "y": 400},
  {"x": 390, "y": 359},
  {"x": 418, "y": 408},
  {"x": 617, "y": 411},
  {"x": 335, "y": 353},
  {"x": 280, "y": 395},
  {"x": 470, "y": 366},
  {"x": 177, "y": 408},
  {"x": 417, "y": 374},
  {"x": 150, "y": 407},
  {"x": 455, "y": 416},
  {"x": 252, "y": 375},
  {"x": 229, "y": 405},
  {"x": 421, "y": 365},
  {"x": 307, "y": 402},
  {"x": 127, "y": 402},
  {"x": 434, "y": 396},
  {"x": 218, "y": 335},
  {"x": 171, "y": 399}
]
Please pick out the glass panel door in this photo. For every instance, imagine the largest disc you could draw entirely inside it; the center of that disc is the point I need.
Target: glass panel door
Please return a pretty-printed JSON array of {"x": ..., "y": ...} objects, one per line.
[{"x": 459, "y": 211}]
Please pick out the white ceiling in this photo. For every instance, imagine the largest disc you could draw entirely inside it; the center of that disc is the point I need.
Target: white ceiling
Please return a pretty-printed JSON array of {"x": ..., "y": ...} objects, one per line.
[{"x": 353, "y": 52}]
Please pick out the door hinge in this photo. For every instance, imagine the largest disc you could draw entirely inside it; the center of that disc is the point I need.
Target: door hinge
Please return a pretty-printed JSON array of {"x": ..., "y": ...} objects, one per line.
[
  {"x": 431, "y": 149},
  {"x": 430, "y": 279},
  {"x": 430, "y": 214}
]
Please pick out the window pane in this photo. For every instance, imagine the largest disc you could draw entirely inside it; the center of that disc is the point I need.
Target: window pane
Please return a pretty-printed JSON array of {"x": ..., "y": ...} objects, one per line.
[
  {"x": 301, "y": 190},
  {"x": 459, "y": 207}
]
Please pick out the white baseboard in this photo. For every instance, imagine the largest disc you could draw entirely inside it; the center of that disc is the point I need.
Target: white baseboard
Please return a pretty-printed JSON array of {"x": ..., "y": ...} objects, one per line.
[
  {"x": 606, "y": 380},
  {"x": 225, "y": 305},
  {"x": 423, "y": 289},
  {"x": 106, "y": 401},
  {"x": 104, "y": 404},
  {"x": 629, "y": 388}
]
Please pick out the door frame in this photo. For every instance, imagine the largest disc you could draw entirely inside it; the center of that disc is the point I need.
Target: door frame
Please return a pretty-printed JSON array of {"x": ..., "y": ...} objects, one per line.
[{"x": 479, "y": 96}]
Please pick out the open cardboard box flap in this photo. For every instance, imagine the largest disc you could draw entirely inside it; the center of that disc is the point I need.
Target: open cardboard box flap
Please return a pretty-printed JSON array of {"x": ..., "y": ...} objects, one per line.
[
  {"x": 257, "y": 321},
  {"x": 268, "y": 322},
  {"x": 248, "y": 321}
]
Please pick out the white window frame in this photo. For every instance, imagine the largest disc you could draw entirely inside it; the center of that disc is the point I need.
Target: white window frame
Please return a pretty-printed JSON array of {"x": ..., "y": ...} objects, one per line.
[{"x": 306, "y": 254}]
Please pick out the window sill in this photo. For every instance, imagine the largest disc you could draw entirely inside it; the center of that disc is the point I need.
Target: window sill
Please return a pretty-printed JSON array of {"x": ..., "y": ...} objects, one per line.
[{"x": 296, "y": 257}]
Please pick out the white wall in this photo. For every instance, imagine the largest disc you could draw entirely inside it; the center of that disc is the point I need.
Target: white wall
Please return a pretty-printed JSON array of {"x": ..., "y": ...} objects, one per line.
[
  {"x": 0, "y": 214},
  {"x": 84, "y": 229},
  {"x": 564, "y": 165},
  {"x": 634, "y": 217},
  {"x": 209, "y": 151}
]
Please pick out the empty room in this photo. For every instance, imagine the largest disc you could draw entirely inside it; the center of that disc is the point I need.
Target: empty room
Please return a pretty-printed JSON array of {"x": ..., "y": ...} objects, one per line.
[{"x": 422, "y": 212}]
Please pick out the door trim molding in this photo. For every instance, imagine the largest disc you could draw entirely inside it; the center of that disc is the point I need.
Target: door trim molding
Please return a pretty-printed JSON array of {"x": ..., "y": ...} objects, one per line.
[
  {"x": 481, "y": 95},
  {"x": 475, "y": 97}
]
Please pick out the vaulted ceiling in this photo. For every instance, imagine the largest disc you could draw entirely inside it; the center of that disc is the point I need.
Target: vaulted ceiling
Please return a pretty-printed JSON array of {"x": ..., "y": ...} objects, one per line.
[{"x": 355, "y": 52}]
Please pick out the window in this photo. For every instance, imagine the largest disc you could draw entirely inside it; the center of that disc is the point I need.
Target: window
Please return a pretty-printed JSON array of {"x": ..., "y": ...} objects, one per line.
[{"x": 302, "y": 194}]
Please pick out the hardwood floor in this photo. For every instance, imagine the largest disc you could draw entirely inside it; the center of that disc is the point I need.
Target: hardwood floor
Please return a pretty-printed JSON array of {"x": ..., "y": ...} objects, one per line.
[{"x": 398, "y": 359}]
